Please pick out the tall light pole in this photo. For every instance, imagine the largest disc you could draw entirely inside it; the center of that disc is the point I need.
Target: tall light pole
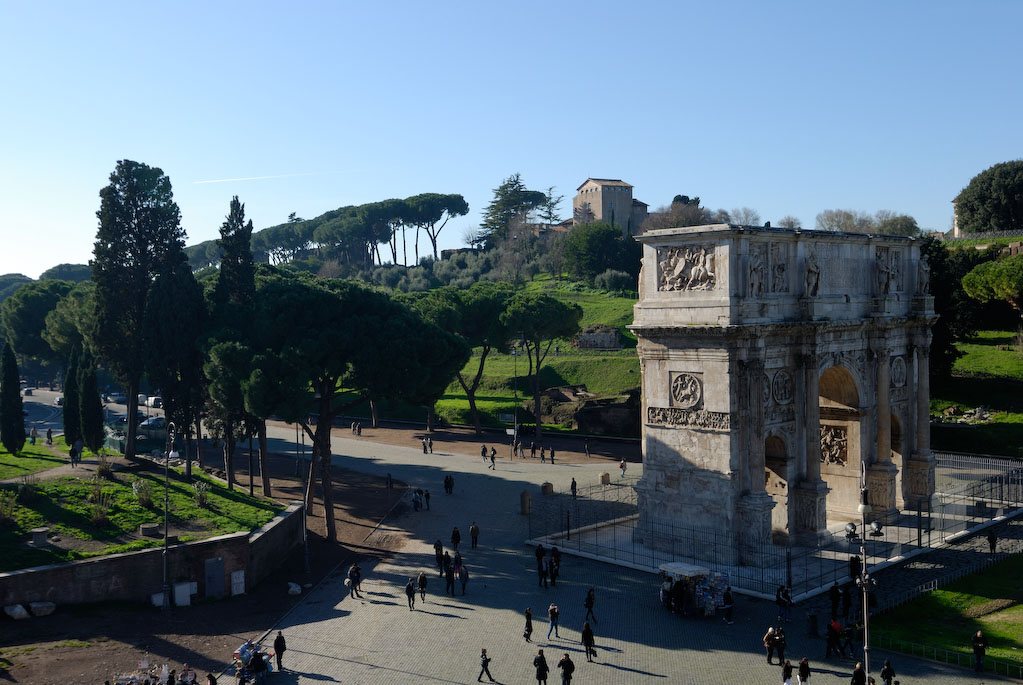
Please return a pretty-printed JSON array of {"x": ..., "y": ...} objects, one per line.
[
  {"x": 515, "y": 389},
  {"x": 166, "y": 513},
  {"x": 865, "y": 582}
]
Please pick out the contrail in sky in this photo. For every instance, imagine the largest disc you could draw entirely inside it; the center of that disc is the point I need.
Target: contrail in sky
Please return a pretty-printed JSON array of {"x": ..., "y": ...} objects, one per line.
[{"x": 252, "y": 178}]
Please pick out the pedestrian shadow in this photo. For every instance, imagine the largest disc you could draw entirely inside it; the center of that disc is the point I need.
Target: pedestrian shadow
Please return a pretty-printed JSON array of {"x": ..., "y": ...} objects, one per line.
[
  {"x": 288, "y": 676},
  {"x": 442, "y": 615},
  {"x": 453, "y": 606},
  {"x": 630, "y": 670},
  {"x": 380, "y": 594},
  {"x": 380, "y": 601}
]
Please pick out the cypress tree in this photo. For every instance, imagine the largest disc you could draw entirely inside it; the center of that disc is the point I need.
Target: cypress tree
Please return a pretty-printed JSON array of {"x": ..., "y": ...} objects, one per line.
[
  {"x": 72, "y": 413},
  {"x": 12, "y": 421},
  {"x": 90, "y": 405}
]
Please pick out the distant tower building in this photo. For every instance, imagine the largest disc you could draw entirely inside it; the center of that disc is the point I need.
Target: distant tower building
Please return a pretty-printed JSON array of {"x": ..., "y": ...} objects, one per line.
[{"x": 609, "y": 200}]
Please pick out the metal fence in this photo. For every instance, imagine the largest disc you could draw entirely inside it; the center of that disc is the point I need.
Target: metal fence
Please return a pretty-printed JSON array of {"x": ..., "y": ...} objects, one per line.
[
  {"x": 603, "y": 522},
  {"x": 963, "y": 659}
]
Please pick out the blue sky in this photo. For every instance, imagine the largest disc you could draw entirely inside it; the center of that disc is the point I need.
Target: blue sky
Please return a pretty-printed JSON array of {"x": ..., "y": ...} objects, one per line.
[{"x": 785, "y": 107}]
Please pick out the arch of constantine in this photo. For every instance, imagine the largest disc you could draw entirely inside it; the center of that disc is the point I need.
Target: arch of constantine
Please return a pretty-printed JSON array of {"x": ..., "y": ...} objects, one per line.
[{"x": 777, "y": 364}]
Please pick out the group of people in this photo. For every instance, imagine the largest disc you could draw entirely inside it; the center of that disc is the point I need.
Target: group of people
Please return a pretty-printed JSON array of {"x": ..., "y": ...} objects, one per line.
[
  {"x": 566, "y": 665},
  {"x": 356, "y": 428},
  {"x": 450, "y": 569},
  {"x": 427, "y": 445},
  {"x": 33, "y": 435},
  {"x": 548, "y": 566},
  {"x": 421, "y": 498}
]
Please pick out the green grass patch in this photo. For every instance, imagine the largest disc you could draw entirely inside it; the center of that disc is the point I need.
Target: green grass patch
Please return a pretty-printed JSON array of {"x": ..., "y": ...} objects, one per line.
[
  {"x": 68, "y": 507},
  {"x": 33, "y": 459},
  {"x": 988, "y": 601},
  {"x": 985, "y": 377}
]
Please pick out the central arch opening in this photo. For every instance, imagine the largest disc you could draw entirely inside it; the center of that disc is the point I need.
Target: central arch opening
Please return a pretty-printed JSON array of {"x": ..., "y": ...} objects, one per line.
[{"x": 840, "y": 428}]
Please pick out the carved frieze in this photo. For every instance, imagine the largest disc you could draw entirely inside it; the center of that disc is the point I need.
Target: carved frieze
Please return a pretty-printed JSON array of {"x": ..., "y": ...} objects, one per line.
[
  {"x": 765, "y": 389},
  {"x": 782, "y": 387},
  {"x": 898, "y": 374},
  {"x": 690, "y": 418},
  {"x": 780, "y": 414},
  {"x": 898, "y": 395},
  {"x": 686, "y": 391},
  {"x": 834, "y": 445},
  {"x": 686, "y": 268}
]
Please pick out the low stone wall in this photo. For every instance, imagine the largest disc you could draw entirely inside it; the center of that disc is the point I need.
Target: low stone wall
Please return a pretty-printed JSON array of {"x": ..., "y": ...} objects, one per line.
[{"x": 136, "y": 576}]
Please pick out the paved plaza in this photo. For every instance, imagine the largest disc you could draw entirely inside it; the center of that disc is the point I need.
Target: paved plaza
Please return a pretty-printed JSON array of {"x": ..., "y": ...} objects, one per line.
[{"x": 333, "y": 638}]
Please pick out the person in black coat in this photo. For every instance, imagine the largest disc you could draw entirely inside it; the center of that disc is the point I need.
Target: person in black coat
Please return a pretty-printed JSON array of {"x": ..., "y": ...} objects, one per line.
[
  {"x": 456, "y": 537},
  {"x": 803, "y": 673},
  {"x": 542, "y": 669},
  {"x": 587, "y": 641},
  {"x": 979, "y": 649},
  {"x": 887, "y": 672},
  {"x": 279, "y": 648},
  {"x": 449, "y": 580},
  {"x": 410, "y": 592},
  {"x": 567, "y": 667},
  {"x": 528, "y": 631},
  {"x": 859, "y": 676},
  {"x": 835, "y": 595}
]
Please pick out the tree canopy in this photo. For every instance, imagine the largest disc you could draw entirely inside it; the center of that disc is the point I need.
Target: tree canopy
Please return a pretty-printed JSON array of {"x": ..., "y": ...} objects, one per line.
[
  {"x": 23, "y": 316},
  {"x": 591, "y": 249},
  {"x": 1001, "y": 279},
  {"x": 12, "y": 421},
  {"x": 993, "y": 200},
  {"x": 75, "y": 273},
  {"x": 511, "y": 199}
]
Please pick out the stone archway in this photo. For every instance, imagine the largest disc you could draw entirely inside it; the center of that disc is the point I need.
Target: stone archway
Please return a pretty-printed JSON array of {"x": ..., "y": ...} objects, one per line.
[
  {"x": 777, "y": 478},
  {"x": 841, "y": 438}
]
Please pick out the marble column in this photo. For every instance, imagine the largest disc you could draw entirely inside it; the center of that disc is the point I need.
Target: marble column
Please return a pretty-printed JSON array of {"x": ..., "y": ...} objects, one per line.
[
  {"x": 754, "y": 508},
  {"x": 918, "y": 476},
  {"x": 881, "y": 474},
  {"x": 812, "y": 417},
  {"x": 757, "y": 457},
  {"x": 923, "y": 400}
]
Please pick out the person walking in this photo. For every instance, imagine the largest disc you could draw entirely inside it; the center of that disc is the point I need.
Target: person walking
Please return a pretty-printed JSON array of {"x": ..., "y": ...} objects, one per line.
[
  {"x": 449, "y": 580},
  {"x": 552, "y": 615},
  {"x": 588, "y": 603},
  {"x": 586, "y": 448},
  {"x": 543, "y": 455},
  {"x": 552, "y": 454},
  {"x": 587, "y": 641},
  {"x": 786, "y": 673},
  {"x": 527, "y": 632},
  {"x": 835, "y": 595},
  {"x": 429, "y": 443},
  {"x": 979, "y": 649},
  {"x": 474, "y": 534},
  {"x": 426, "y": 498},
  {"x": 622, "y": 466},
  {"x": 458, "y": 560},
  {"x": 354, "y": 578},
  {"x": 542, "y": 567},
  {"x": 280, "y": 646},
  {"x": 422, "y": 585},
  {"x": 410, "y": 592},
  {"x": 786, "y": 598},
  {"x": 729, "y": 603},
  {"x": 567, "y": 669},
  {"x": 779, "y": 601},
  {"x": 859, "y": 676},
  {"x": 32, "y": 436},
  {"x": 552, "y": 570},
  {"x": 769, "y": 644},
  {"x": 485, "y": 667},
  {"x": 424, "y": 445},
  {"x": 456, "y": 538},
  {"x": 493, "y": 459},
  {"x": 887, "y": 672},
  {"x": 49, "y": 436},
  {"x": 463, "y": 576},
  {"x": 438, "y": 552},
  {"x": 556, "y": 559},
  {"x": 803, "y": 672},
  {"x": 79, "y": 449},
  {"x": 532, "y": 450},
  {"x": 833, "y": 643},
  {"x": 992, "y": 538},
  {"x": 542, "y": 669},
  {"x": 573, "y": 487}
]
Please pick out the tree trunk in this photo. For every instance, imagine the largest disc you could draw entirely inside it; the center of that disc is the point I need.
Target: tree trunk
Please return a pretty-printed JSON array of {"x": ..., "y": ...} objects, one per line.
[
  {"x": 252, "y": 476},
  {"x": 310, "y": 485},
  {"x": 263, "y": 473},
  {"x": 536, "y": 393},
  {"x": 470, "y": 390},
  {"x": 321, "y": 447},
  {"x": 198, "y": 440},
  {"x": 229, "y": 453},
  {"x": 133, "y": 418},
  {"x": 431, "y": 415},
  {"x": 373, "y": 413},
  {"x": 188, "y": 457}
]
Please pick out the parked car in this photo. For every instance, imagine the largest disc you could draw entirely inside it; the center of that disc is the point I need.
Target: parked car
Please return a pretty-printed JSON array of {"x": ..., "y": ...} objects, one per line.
[
  {"x": 155, "y": 423},
  {"x": 115, "y": 397},
  {"x": 155, "y": 402},
  {"x": 141, "y": 399},
  {"x": 59, "y": 400},
  {"x": 122, "y": 421},
  {"x": 27, "y": 392}
]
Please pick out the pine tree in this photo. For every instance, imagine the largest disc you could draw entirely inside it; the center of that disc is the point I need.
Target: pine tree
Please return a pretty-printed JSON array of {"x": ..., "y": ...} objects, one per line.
[
  {"x": 72, "y": 404},
  {"x": 12, "y": 421},
  {"x": 90, "y": 409}
]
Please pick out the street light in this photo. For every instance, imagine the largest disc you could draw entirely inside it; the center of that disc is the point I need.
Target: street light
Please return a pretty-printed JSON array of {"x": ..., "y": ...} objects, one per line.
[
  {"x": 515, "y": 389},
  {"x": 864, "y": 582},
  {"x": 166, "y": 512}
]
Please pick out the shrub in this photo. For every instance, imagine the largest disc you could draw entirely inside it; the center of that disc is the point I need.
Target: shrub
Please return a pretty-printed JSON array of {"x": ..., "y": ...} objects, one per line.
[
  {"x": 201, "y": 488},
  {"x": 28, "y": 489},
  {"x": 95, "y": 488},
  {"x": 100, "y": 509},
  {"x": 143, "y": 491},
  {"x": 613, "y": 280},
  {"x": 105, "y": 469}
]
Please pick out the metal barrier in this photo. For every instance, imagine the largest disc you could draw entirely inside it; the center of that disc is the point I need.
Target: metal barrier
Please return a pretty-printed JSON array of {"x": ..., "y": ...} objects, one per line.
[{"x": 962, "y": 659}]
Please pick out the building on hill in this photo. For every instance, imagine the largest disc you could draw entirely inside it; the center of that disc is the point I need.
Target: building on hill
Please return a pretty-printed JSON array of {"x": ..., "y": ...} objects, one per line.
[{"x": 609, "y": 200}]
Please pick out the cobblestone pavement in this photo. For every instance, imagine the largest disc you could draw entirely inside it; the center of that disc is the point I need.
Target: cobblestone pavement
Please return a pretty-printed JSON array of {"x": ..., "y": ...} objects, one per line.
[{"x": 333, "y": 638}]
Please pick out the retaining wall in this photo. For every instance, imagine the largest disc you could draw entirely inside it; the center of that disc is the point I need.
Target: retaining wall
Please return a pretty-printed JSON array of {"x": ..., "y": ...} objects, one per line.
[{"x": 136, "y": 576}]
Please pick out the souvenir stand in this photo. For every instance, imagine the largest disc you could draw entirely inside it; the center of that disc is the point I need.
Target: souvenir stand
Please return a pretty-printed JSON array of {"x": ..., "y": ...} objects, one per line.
[{"x": 709, "y": 585}]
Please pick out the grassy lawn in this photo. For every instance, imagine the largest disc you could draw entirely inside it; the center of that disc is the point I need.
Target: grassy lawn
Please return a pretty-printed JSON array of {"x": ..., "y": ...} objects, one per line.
[
  {"x": 68, "y": 507},
  {"x": 33, "y": 458},
  {"x": 985, "y": 377},
  {"x": 988, "y": 601}
]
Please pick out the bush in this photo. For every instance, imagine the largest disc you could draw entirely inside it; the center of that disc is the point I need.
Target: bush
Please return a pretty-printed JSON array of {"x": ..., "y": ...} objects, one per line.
[
  {"x": 8, "y": 503},
  {"x": 105, "y": 469},
  {"x": 201, "y": 488},
  {"x": 28, "y": 489},
  {"x": 143, "y": 491},
  {"x": 613, "y": 280},
  {"x": 100, "y": 509},
  {"x": 96, "y": 488}
]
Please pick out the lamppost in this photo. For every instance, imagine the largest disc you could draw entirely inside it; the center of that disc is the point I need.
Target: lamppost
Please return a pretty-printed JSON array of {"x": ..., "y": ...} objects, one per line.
[
  {"x": 166, "y": 512},
  {"x": 515, "y": 389},
  {"x": 864, "y": 582}
]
